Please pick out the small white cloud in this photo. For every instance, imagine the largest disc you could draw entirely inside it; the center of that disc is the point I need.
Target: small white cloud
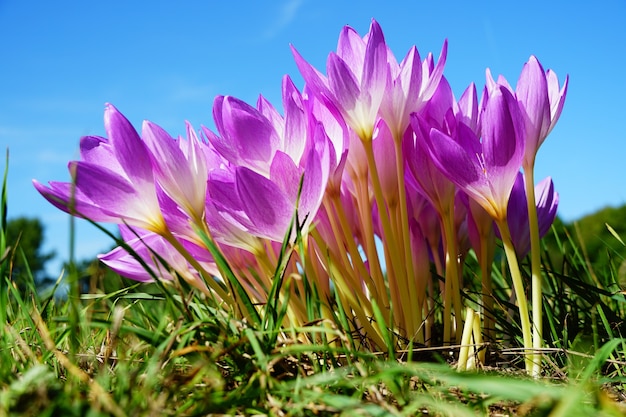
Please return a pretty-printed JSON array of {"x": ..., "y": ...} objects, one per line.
[{"x": 286, "y": 14}]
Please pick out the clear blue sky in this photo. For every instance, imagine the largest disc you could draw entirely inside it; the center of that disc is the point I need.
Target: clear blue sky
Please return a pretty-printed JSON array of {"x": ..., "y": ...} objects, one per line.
[{"x": 165, "y": 61}]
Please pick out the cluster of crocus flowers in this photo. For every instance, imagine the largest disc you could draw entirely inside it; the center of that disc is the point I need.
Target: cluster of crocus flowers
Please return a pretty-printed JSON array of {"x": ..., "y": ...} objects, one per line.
[{"x": 375, "y": 177}]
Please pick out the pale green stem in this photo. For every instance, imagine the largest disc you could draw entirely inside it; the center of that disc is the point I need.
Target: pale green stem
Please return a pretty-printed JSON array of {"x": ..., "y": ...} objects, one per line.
[
  {"x": 487, "y": 290},
  {"x": 518, "y": 286},
  {"x": 466, "y": 340},
  {"x": 395, "y": 269},
  {"x": 357, "y": 261},
  {"x": 367, "y": 227},
  {"x": 452, "y": 296},
  {"x": 535, "y": 262},
  {"x": 416, "y": 300}
]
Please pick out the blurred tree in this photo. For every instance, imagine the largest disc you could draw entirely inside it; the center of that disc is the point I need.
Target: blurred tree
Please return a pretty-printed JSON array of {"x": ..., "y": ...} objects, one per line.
[
  {"x": 591, "y": 238},
  {"x": 24, "y": 237}
]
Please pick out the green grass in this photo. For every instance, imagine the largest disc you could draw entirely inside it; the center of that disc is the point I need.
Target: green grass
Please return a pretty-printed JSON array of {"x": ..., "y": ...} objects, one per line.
[{"x": 164, "y": 350}]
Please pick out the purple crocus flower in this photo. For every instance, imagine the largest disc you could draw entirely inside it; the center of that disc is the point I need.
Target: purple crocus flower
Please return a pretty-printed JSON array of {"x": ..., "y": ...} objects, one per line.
[
  {"x": 357, "y": 77},
  {"x": 268, "y": 156},
  {"x": 180, "y": 168},
  {"x": 411, "y": 84},
  {"x": 485, "y": 169},
  {"x": 429, "y": 179},
  {"x": 547, "y": 204},
  {"x": 114, "y": 181},
  {"x": 541, "y": 101}
]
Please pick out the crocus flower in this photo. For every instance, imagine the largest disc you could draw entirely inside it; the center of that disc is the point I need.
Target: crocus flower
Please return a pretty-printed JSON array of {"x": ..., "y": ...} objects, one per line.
[
  {"x": 268, "y": 156},
  {"x": 180, "y": 167},
  {"x": 430, "y": 180},
  {"x": 485, "y": 169},
  {"x": 114, "y": 181},
  {"x": 411, "y": 84},
  {"x": 357, "y": 76},
  {"x": 547, "y": 204},
  {"x": 541, "y": 100}
]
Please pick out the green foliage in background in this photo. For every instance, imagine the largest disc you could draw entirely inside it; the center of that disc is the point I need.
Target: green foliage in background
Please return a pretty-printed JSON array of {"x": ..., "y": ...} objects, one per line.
[
  {"x": 25, "y": 238},
  {"x": 595, "y": 236}
]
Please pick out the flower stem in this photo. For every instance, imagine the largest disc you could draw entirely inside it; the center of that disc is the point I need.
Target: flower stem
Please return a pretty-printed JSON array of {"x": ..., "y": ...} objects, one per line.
[
  {"x": 396, "y": 270},
  {"x": 487, "y": 289},
  {"x": 452, "y": 294},
  {"x": 414, "y": 296},
  {"x": 535, "y": 262},
  {"x": 518, "y": 286}
]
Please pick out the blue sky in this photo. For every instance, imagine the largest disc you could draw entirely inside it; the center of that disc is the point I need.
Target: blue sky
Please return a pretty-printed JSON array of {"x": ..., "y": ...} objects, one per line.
[{"x": 165, "y": 61}]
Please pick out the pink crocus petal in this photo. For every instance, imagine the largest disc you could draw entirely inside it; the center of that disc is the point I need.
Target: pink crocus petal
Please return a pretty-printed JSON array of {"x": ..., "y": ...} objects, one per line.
[
  {"x": 540, "y": 101},
  {"x": 315, "y": 178},
  {"x": 435, "y": 75},
  {"x": 402, "y": 95},
  {"x": 128, "y": 148},
  {"x": 427, "y": 177},
  {"x": 176, "y": 219},
  {"x": 128, "y": 266},
  {"x": 351, "y": 47},
  {"x": 68, "y": 198},
  {"x": 503, "y": 131},
  {"x": 268, "y": 111},
  {"x": 115, "y": 180},
  {"x": 547, "y": 204},
  {"x": 557, "y": 97},
  {"x": 375, "y": 69},
  {"x": 295, "y": 122},
  {"x": 316, "y": 82},
  {"x": 145, "y": 245},
  {"x": 267, "y": 207},
  {"x": 346, "y": 88},
  {"x": 532, "y": 93},
  {"x": 335, "y": 129},
  {"x": 227, "y": 230},
  {"x": 410, "y": 87},
  {"x": 224, "y": 197},
  {"x": 246, "y": 137},
  {"x": 491, "y": 84},
  {"x": 503, "y": 142},
  {"x": 286, "y": 175},
  {"x": 459, "y": 165},
  {"x": 468, "y": 110},
  {"x": 179, "y": 167},
  {"x": 438, "y": 112},
  {"x": 98, "y": 150},
  {"x": 117, "y": 196}
]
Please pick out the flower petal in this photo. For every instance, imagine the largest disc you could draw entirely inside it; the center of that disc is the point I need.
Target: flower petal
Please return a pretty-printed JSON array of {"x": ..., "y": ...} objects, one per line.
[{"x": 267, "y": 207}]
